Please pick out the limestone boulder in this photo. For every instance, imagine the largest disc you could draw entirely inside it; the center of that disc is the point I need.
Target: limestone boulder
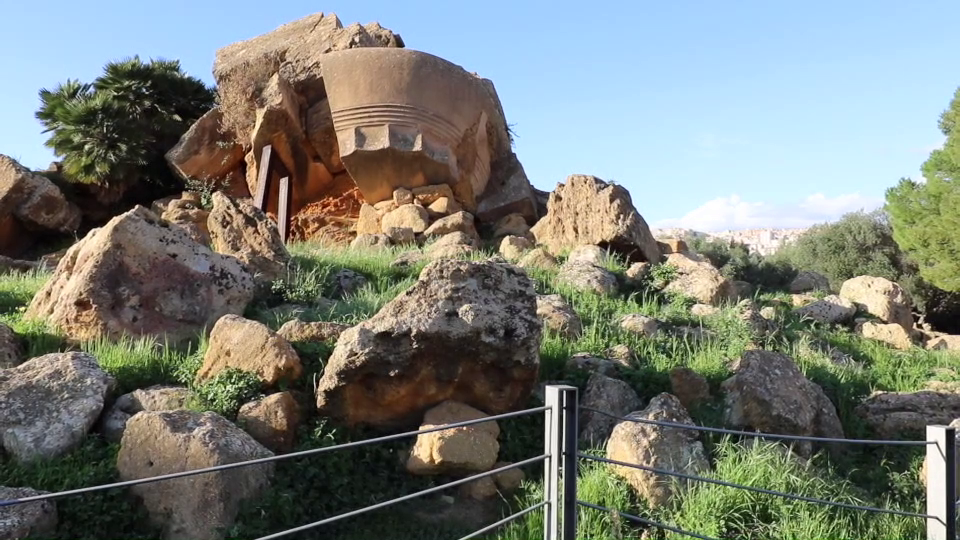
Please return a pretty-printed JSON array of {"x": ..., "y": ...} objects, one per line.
[
  {"x": 11, "y": 352},
  {"x": 659, "y": 447},
  {"x": 588, "y": 277},
  {"x": 368, "y": 221},
  {"x": 589, "y": 254},
  {"x": 809, "y": 282},
  {"x": 642, "y": 325},
  {"x": 513, "y": 247},
  {"x": 508, "y": 192},
  {"x": 48, "y": 404},
  {"x": 296, "y": 331},
  {"x": 938, "y": 343},
  {"x": 459, "y": 222},
  {"x": 250, "y": 346},
  {"x": 606, "y": 394},
  {"x": 698, "y": 279},
  {"x": 209, "y": 153},
  {"x": 881, "y": 298},
  {"x": 154, "y": 398},
  {"x": 830, "y": 309},
  {"x": 769, "y": 393},
  {"x": 511, "y": 225},
  {"x": 691, "y": 388},
  {"x": 138, "y": 276},
  {"x": 892, "y": 334},
  {"x": 559, "y": 316},
  {"x": 188, "y": 215},
  {"x": 410, "y": 216},
  {"x": 538, "y": 258},
  {"x": 401, "y": 236},
  {"x": 199, "y": 507},
  {"x": 9, "y": 265},
  {"x": 465, "y": 331},
  {"x": 28, "y": 520},
  {"x": 240, "y": 229},
  {"x": 459, "y": 450},
  {"x": 347, "y": 282},
  {"x": 371, "y": 242},
  {"x": 34, "y": 201},
  {"x": 272, "y": 421},
  {"x": 587, "y": 210},
  {"x": 906, "y": 414}
]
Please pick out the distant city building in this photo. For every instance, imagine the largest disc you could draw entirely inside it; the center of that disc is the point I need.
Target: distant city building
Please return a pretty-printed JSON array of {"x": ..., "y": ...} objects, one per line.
[{"x": 761, "y": 241}]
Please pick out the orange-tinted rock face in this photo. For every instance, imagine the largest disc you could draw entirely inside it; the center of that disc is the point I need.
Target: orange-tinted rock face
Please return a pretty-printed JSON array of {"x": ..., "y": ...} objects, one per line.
[{"x": 332, "y": 219}]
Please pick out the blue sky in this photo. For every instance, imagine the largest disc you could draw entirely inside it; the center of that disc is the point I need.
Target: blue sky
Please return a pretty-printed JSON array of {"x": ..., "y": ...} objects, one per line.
[{"x": 715, "y": 115}]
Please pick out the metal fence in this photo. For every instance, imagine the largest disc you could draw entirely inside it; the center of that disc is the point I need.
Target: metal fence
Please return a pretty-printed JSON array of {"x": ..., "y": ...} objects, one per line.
[{"x": 561, "y": 457}]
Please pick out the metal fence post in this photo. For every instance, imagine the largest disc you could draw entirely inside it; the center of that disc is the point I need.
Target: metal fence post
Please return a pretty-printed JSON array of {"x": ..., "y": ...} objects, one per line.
[
  {"x": 560, "y": 443},
  {"x": 941, "y": 483}
]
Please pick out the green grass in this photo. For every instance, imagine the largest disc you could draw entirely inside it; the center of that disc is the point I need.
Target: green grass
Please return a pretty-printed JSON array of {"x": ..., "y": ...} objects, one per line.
[{"x": 312, "y": 488}]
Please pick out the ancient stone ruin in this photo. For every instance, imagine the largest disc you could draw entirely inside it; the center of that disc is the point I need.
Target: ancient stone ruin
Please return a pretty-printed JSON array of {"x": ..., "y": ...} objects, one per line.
[{"x": 316, "y": 119}]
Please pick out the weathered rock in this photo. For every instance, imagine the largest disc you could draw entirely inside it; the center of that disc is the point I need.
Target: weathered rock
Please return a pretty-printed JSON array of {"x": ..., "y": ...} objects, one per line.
[
  {"x": 906, "y": 414},
  {"x": 508, "y": 481},
  {"x": 197, "y": 507},
  {"x": 513, "y": 247},
  {"x": 443, "y": 206},
  {"x": 346, "y": 283},
  {"x": 466, "y": 331},
  {"x": 559, "y": 316},
  {"x": 427, "y": 195},
  {"x": 589, "y": 254},
  {"x": 452, "y": 239},
  {"x": 49, "y": 403},
  {"x": 704, "y": 310},
  {"x": 190, "y": 217},
  {"x": 449, "y": 250},
  {"x": 939, "y": 343},
  {"x": 881, "y": 298},
  {"x": 587, "y": 210},
  {"x": 410, "y": 216},
  {"x": 368, "y": 222},
  {"x": 588, "y": 277},
  {"x": 10, "y": 350},
  {"x": 769, "y": 313},
  {"x": 249, "y": 346},
  {"x": 272, "y": 421},
  {"x": 511, "y": 225},
  {"x": 892, "y": 334},
  {"x": 800, "y": 300},
  {"x": 749, "y": 313},
  {"x": 666, "y": 448},
  {"x": 606, "y": 394},
  {"x": 408, "y": 259},
  {"x": 691, "y": 388},
  {"x": 138, "y": 276},
  {"x": 638, "y": 272},
  {"x": 244, "y": 231},
  {"x": 208, "y": 154},
  {"x": 830, "y": 309},
  {"x": 808, "y": 282},
  {"x": 588, "y": 362},
  {"x": 300, "y": 331},
  {"x": 401, "y": 236},
  {"x": 34, "y": 201},
  {"x": 640, "y": 325},
  {"x": 459, "y": 222},
  {"x": 371, "y": 241},
  {"x": 508, "y": 192},
  {"x": 698, "y": 279},
  {"x": 402, "y": 196},
  {"x": 621, "y": 354},
  {"x": 9, "y": 265},
  {"x": 154, "y": 399},
  {"x": 672, "y": 245},
  {"x": 538, "y": 258},
  {"x": 28, "y": 520},
  {"x": 769, "y": 393},
  {"x": 742, "y": 290},
  {"x": 459, "y": 450},
  {"x": 480, "y": 489}
]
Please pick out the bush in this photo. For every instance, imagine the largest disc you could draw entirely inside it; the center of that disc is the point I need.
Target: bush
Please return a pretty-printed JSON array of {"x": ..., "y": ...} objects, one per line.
[{"x": 735, "y": 261}]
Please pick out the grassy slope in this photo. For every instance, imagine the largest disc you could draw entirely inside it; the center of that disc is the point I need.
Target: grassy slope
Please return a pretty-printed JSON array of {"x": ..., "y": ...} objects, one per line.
[{"x": 309, "y": 489}]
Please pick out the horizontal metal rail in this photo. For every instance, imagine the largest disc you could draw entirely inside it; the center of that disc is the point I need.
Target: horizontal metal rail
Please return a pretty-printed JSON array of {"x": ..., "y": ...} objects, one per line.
[
  {"x": 646, "y": 521},
  {"x": 391, "y": 502},
  {"x": 270, "y": 459},
  {"x": 759, "y": 433},
  {"x": 757, "y": 490},
  {"x": 505, "y": 520}
]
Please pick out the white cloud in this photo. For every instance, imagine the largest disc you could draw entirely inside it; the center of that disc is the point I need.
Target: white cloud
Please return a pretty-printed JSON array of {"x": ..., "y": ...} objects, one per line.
[{"x": 733, "y": 212}]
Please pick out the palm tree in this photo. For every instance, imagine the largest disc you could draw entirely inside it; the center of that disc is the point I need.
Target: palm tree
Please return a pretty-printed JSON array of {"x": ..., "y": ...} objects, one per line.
[{"x": 115, "y": 131}]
